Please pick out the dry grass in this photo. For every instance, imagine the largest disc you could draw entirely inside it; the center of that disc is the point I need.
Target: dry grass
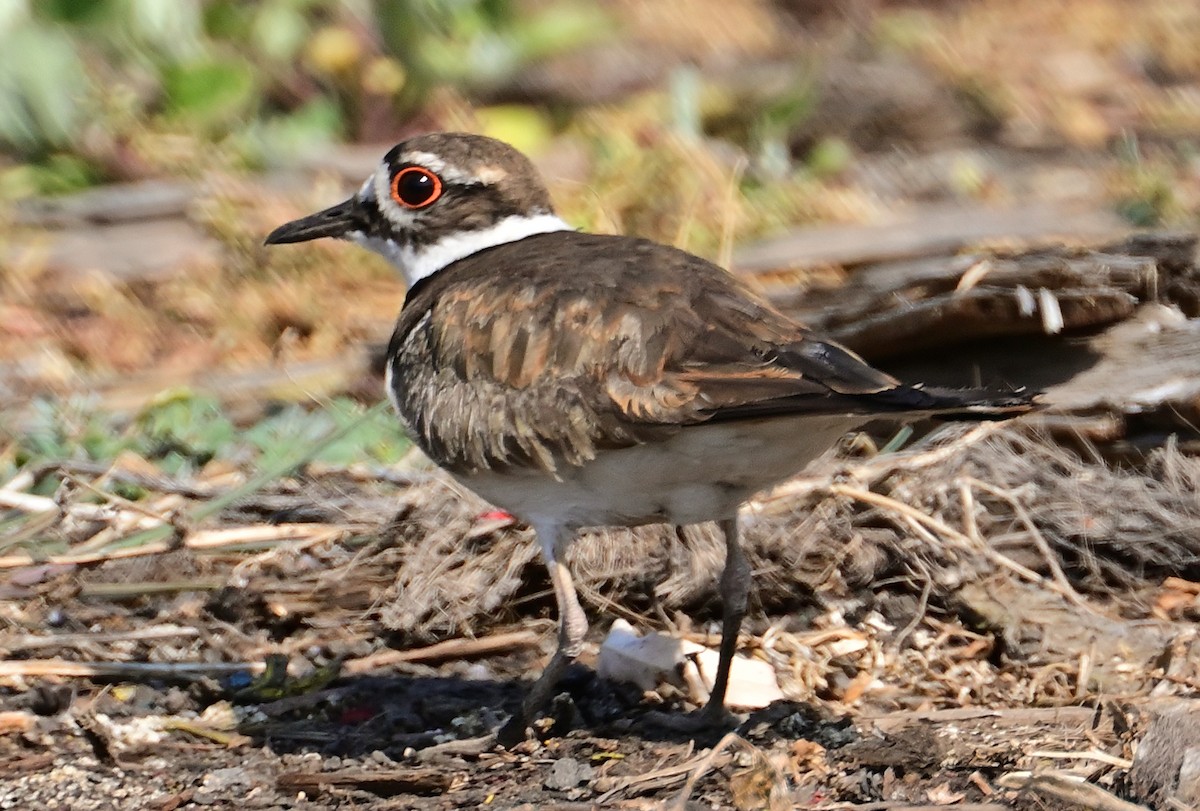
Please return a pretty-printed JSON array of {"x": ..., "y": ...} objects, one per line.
[
  {"x": 868, "y": 573},
  {"x": 987, "y": 566},
  {"x": 1005, "y": 495},
  {"x": 1073, "y": 71}
]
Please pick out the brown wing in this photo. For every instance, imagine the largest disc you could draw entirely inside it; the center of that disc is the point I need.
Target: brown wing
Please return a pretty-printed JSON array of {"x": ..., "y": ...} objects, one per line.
[{"x": 596, "y": 342}]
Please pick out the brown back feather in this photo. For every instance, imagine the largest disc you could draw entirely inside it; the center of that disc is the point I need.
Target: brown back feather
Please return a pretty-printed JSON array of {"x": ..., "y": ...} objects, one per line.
[{"x": 588, "y": 342}]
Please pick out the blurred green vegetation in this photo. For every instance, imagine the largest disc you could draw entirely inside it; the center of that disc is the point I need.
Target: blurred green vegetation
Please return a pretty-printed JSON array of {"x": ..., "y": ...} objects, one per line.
[
  {"x": 106, "y": 90},
  {"x": 180, "y": 433},
  {"x": 1145, "y": 184},
  {"x": 741, "y": 119},
  {"x": 187, "y": 438},
  {"x": 102, "y": 90},
  {"x": 93, "y": 90}
]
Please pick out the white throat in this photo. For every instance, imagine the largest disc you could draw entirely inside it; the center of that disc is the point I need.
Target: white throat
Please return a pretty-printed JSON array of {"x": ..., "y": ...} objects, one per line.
[{"x": 420, "y": 263}]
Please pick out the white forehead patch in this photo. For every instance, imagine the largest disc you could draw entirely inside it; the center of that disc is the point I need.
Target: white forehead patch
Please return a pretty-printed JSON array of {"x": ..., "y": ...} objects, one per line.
[
  {"x": 402, "y": 218},
  {"x": 427, "y": 159}
]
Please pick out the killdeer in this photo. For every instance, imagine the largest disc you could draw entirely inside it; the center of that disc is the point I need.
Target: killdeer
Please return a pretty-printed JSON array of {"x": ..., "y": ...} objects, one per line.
[{"x": 581, "y": 380}]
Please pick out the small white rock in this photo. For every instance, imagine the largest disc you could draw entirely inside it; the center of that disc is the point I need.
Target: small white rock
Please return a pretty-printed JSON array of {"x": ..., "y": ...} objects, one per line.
[
  {"x": 649, "y": 660},
  {"x": 752, "y": 682},
  {"x": 641, "y": 660}
]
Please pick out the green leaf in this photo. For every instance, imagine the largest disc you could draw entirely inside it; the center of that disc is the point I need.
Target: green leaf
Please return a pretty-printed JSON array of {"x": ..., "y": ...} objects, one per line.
[
  {"x": 182, "y": 430},
  {"x": 74, "y": 11},
  {"x": 829, "y": 156},
  {"x": 173, "y": 29},
  {"x": 41, "y": 80},
  {"x": 527, "y": 128},
  {"x": 561, "y": 28},
  {"x": 280, "y": 30},
  {"x": 58, "y": 174},
  {"x": 281, "y": 139},
  {"x": 361, "y": 435},
  {"x": 226, "y": 19},
  {"x": 209, "y": 93}
]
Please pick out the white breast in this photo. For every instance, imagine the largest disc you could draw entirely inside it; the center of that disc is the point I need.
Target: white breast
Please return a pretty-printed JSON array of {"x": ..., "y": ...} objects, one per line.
[{"x": 703, "y": 473}]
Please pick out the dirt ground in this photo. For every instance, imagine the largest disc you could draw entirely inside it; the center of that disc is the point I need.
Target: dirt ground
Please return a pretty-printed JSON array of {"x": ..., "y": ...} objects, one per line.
[{"x": 315, "y": 666}]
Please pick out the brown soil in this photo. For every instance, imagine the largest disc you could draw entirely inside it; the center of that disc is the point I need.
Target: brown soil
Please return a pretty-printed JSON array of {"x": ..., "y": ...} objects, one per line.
[{"x": 921, "y": 669}]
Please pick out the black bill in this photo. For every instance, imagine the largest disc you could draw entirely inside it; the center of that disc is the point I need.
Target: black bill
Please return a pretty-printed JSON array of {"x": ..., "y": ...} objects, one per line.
[{"x": 335, "y": 221}]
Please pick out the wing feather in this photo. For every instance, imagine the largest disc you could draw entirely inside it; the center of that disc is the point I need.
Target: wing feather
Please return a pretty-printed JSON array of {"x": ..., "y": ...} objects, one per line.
[{"x": 594, "y": 342}]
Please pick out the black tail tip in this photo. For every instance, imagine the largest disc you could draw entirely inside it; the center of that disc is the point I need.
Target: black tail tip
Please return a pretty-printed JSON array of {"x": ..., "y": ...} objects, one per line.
[{"x": 981, "y": 403}]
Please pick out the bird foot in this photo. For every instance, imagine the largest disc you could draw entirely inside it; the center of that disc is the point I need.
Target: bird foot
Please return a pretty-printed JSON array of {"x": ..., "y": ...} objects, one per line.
[
  {"x": 706, "y": 720},
  {"x": 514, "y": 731}
]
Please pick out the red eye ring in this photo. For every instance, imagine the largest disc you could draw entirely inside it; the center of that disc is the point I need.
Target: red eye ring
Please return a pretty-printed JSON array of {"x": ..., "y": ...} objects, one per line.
[{"x": 415, "y": 187}]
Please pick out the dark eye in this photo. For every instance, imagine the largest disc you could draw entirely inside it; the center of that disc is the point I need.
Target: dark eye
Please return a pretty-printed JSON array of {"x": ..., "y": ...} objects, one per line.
[{"x": 415, "y": 187}]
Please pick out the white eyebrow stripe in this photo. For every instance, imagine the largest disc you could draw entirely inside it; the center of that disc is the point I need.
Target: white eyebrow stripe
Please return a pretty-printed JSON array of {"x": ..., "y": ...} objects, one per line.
[
  {"x": 439, "y": 167},
  {"x": 427, "y": 159}
]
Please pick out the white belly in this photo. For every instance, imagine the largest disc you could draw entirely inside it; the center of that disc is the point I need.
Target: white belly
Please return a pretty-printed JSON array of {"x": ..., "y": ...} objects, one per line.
[{"x": 703, "y": 473}]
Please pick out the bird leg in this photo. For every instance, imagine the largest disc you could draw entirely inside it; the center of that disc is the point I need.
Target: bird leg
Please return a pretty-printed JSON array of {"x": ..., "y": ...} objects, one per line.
[
  {"x": 735, "y": 588},
  {"x": 572, "y": 628}
]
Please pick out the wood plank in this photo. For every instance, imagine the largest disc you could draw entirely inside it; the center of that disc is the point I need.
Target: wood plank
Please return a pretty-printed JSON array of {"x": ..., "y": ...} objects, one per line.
[
  {"x": 927, "y": 231},
  {"x": 116, "y": 203},
  {"x": 385, "y": 782},
  {"x": 1145, "y": 363},
  {"x": 973, "y": 738},
  {"x": 128, "y": 251}
]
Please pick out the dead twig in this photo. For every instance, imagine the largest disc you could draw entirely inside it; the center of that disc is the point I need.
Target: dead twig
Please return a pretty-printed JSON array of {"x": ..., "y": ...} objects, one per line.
[
  {"x": 449, "y": 649},
  {"x": 158, "y": 482},
  {"x": 705, "y": 764},
  {"x": 702, "y": 768},
  {"x": 1092, "y": 754},
  {"x": 880, "y": 466},
  {"x": 30, "y": 503},
  {"x": 385, "y": 783},
  {"x": 660, "y": 777},
  {"x": 16, "y": 721},
  {"x": 941, "y": 527},
  {"x": 922, "y": 605},
  {"x": 878, "y": 500},
  {"x": 1064, "y": 585},
  {"x": 904, "y": 805},
  {"x": 124, "y": 670},
  {"x": 32, "y": 641},
  {"x": 134, "y": 589},
  {"x": 119, "y": 502},
  {"x": 207, "y": 539},
  {"x": 231, "y": 740},
  {"x": 1067, "y": 788}
]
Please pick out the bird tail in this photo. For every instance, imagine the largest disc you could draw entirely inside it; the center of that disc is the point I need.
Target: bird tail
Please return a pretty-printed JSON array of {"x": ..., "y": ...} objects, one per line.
[{"x": 959, "y": 404}]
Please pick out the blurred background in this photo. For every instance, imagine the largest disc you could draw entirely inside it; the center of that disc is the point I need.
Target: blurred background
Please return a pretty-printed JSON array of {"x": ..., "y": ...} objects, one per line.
[
  {"x": 199, "y": 478},
  {"x": 147, "y": 146}
]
